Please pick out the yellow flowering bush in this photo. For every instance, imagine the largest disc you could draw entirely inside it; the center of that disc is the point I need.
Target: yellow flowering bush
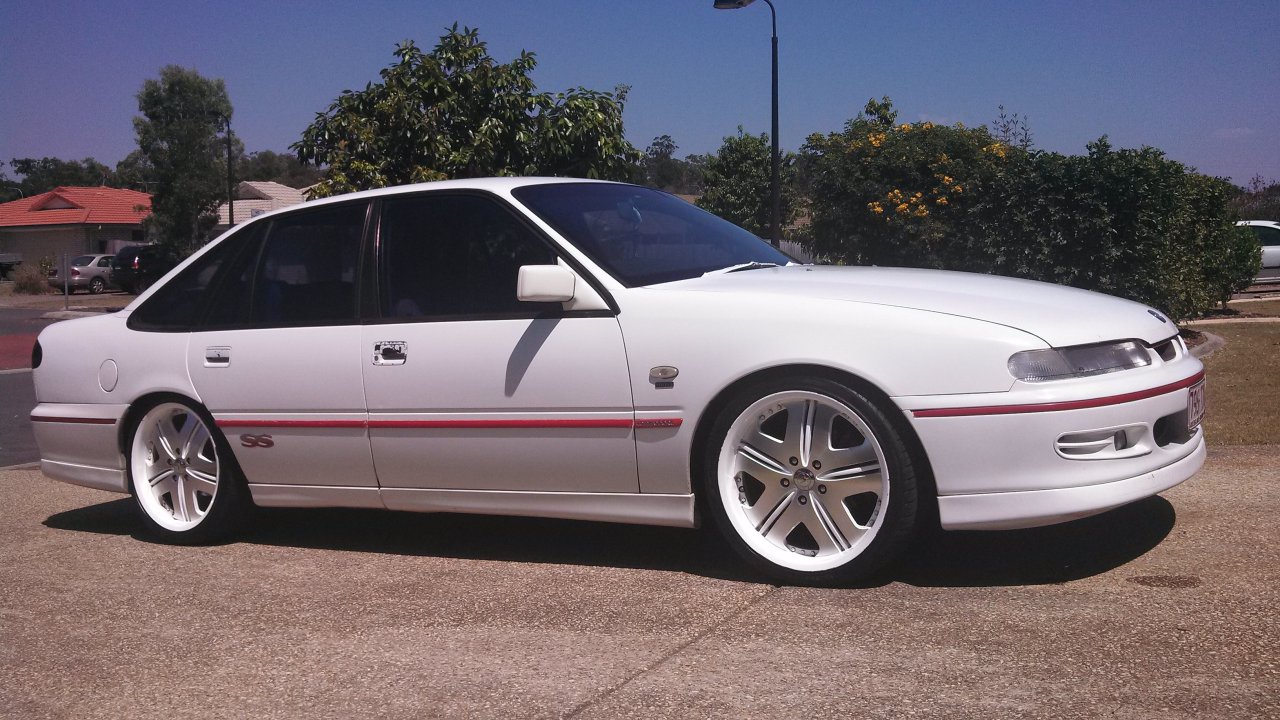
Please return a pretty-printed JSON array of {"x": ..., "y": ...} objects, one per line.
[
  {"x": 1128, "y": 222},
  {"x": 896, "y": 186}
]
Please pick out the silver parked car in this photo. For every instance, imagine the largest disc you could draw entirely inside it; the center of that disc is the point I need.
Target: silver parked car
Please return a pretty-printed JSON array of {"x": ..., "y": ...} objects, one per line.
[{"x": 87, "y": 272}]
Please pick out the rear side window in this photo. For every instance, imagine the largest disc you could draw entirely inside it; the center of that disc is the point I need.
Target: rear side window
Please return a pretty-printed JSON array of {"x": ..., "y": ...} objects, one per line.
[
  {"x": 450, "y": 256},
  {"x": 306, "y": 274}
]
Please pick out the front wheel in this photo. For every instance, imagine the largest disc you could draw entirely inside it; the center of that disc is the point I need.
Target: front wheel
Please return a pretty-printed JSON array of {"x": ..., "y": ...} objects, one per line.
[
  {"x": 809, "y": 481},
  {"x": 182, "y": 476}
]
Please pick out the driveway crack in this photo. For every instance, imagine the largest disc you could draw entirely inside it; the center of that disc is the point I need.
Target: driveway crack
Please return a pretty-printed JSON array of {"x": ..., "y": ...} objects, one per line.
[{"x": 607, "y": 692}]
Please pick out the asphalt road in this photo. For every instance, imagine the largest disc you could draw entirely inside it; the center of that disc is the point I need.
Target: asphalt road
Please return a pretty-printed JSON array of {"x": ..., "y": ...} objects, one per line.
[
  {"x": 18, "y": 330},
  {"x": 1163, "y": 609},
  {"x": 17, "y": 397}
]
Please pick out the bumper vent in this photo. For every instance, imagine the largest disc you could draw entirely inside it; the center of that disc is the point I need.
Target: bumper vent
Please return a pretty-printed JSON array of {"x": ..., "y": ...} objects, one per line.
[{"x": 1105, "y": 444}]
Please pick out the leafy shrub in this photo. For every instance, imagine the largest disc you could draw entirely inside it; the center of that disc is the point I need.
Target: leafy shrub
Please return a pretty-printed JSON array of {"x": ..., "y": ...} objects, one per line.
[
  {"x": 1130, "y": 223},
  {"x": 28, "y": 279}
]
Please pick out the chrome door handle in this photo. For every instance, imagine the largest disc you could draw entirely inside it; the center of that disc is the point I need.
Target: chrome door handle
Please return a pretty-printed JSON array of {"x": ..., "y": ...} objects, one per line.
[
  {"x": 217, "y": 356},
  {"x": 390, "y": 352}
]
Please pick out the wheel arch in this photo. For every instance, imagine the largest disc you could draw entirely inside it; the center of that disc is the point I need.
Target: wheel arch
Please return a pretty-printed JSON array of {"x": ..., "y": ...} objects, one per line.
[
  {"x": 928, "y": 491},
  {"x": 142, "y": 404}
]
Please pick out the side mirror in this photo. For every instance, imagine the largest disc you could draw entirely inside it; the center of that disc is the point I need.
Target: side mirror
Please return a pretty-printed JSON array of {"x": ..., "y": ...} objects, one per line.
[{"x": 545, "y": 283}]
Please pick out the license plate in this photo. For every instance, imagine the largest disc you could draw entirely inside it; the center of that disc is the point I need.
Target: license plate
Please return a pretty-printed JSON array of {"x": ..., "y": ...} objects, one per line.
[{"x": 1195, "y": 406}]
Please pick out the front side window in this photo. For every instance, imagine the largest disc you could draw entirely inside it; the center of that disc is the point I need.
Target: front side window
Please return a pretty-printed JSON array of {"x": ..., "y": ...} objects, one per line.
[
  {"x": 455, "y": 256},
  {"x": 306, "y": 274},
  {"x": 642, "y": 236}
]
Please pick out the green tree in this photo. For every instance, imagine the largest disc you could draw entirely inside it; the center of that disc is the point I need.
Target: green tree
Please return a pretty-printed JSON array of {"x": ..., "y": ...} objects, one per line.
[
  {"x": 183, "y": 114},
  {"x": 455, "y": 112},
  {"x": 736, "y": 182},
  {"x": 1260, "y": 200},
  {"x": 284, "y": 168},
  {"x": 46, "y": 173},
  {"x": 135, "y": 172},
  {"x": 661, "y": 169},
  {"x": 8, "y": 188}
]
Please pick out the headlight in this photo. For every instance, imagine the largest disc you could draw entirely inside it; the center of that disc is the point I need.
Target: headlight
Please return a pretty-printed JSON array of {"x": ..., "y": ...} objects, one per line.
[{"x": 1078, "y": 361}]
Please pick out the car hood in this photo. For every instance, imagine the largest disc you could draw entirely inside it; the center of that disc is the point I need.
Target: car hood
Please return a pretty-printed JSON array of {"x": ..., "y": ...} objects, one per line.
[{"x": 1057, "y": 314}]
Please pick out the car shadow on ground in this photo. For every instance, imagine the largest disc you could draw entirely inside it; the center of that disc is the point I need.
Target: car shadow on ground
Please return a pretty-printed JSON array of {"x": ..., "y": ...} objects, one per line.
[{"x": 1036, "y": 556}]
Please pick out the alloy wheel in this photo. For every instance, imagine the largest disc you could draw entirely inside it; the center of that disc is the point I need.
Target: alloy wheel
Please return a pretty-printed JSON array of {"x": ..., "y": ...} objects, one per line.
[
  {"x": 174, "y": 466},
  {"x": 803, "y": 480}
]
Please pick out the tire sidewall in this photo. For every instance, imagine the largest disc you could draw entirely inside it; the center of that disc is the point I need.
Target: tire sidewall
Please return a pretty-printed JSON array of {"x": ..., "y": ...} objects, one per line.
[{"x": 899, "y": 512}]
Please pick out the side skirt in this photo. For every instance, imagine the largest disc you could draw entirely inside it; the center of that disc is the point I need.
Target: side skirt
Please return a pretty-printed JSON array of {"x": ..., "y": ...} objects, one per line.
[{"x": 639, "y": 509}]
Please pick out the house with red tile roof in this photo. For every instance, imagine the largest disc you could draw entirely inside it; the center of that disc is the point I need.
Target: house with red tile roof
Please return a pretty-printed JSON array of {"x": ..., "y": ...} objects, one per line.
[{"x": 74, "y": 221}]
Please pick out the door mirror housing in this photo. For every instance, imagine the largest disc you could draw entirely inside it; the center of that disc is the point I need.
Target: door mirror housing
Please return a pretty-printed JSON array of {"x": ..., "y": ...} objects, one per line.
[{"x": 545, "y": 283}]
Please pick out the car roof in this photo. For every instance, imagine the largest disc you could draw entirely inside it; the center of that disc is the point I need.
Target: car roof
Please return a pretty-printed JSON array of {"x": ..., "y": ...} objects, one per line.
[{"x": 492, "y": 184}]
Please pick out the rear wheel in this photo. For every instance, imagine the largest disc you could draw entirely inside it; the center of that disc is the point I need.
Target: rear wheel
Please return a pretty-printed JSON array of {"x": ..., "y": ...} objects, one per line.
[
  {"x": 809, "y": 481},
  {"x": 182, "y": 475},
  {"x": 97, "y": 285}
]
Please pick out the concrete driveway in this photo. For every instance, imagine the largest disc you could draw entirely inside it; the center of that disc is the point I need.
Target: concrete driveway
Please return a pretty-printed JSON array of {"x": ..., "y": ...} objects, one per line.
[{"x": 1163, "y": 609}]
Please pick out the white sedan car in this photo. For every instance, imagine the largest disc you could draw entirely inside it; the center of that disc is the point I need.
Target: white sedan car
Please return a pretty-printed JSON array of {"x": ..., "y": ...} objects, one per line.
[
  {"x": 601, "y": 351},
  {"x": 1268, "y": 234}
]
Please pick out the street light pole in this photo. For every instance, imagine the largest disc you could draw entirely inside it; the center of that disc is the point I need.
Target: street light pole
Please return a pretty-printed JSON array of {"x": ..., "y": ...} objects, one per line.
[
  {"x": 231, "y": 198},
  {"x": 775, "y": 183}
]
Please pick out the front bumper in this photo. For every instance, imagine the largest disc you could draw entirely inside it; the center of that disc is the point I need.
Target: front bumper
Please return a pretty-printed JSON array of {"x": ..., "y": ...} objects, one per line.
[
  {"x": 1033, "y": 508},
  {"x": 1054, "y": 452}
]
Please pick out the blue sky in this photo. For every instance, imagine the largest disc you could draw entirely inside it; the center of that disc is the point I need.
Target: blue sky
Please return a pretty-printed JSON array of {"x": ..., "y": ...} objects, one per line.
[{"x": 1199, "y": 80}]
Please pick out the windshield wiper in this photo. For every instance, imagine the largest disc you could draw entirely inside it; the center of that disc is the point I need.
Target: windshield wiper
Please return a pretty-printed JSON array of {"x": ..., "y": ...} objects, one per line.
[{"x": 753, "y": 265}]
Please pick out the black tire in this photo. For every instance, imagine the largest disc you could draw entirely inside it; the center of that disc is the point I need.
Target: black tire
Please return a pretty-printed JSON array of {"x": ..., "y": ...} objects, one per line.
[
  {"x": 837, "y": 501},
  {"x": 184, "y": 518},
  {"x": 96, "y": 286}
]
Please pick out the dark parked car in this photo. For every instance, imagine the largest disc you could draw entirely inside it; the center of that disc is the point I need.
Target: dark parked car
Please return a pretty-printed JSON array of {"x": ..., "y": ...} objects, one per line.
[{"x": 137, "y": 266}]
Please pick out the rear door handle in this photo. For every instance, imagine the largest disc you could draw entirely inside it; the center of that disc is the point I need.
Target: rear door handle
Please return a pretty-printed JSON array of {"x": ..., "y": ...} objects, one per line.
[
  {"x": 390, "y": 352},
  {"x": 217, "y": 356}
]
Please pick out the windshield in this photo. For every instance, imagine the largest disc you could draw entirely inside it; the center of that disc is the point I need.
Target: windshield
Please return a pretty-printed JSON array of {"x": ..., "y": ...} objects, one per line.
[{"x": 642, "y": 236}]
